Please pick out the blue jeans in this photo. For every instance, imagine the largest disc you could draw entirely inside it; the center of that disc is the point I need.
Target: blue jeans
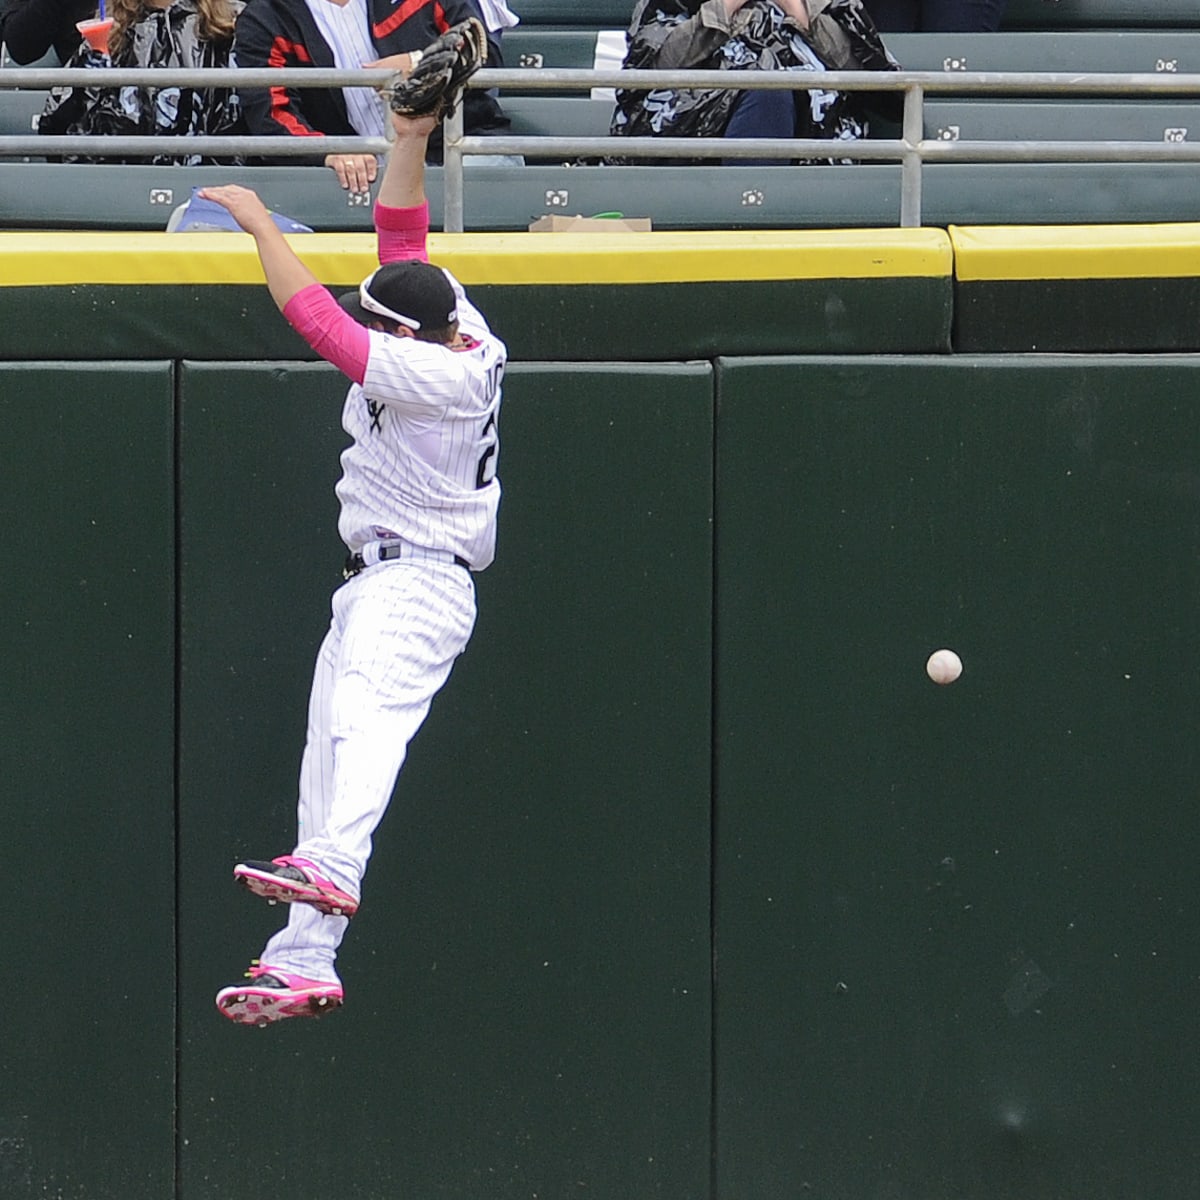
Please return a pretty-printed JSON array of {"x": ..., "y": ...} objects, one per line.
[
  {"x": 937, "y": 16},
  {"x": 765, "y": 114}
]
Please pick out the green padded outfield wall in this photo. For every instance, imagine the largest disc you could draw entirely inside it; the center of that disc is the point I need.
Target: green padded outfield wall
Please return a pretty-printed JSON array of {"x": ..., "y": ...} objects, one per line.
[
  {"x": 87, "y": 1056},
  {"x": 957, "y": 926},
  {"x": 528, "y": 982},
  {"x": 953, "y": 927}
]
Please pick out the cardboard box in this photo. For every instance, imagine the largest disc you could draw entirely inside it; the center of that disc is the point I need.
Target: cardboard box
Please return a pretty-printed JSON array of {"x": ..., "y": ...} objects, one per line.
[{"x": 556, "y": 224}]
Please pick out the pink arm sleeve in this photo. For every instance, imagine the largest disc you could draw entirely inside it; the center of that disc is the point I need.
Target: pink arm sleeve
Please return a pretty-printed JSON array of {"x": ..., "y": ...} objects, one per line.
[
  {"x": 401, "y": 232},
  {"x": 331, "y": 331},
  {"x": 335, "y": 335}
]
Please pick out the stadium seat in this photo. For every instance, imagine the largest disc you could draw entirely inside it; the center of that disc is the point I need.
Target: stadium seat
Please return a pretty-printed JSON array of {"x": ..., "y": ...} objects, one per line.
[
  {"x": 1126, "y": 52},
  {"x": 597, "y": 14},
  {"x": 89, "y": 196},
  {"x": 1132, "y": 52},
  {"x": 19, "y": 109},
  {"x": 949, "y": 120},
  {"x": 1061, "y": 121},
  {"x": 37, "y": 195},
  {"x": 18, "y": 112},
  {"x": 529, "y": 47},
  {"x": 558, "y": 116}
]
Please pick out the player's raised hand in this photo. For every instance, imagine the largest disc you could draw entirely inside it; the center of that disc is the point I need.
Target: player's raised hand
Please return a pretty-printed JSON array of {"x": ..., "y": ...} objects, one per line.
[
  {"x": 415, "y": 127},
  {"x": 242, "y": 204}
]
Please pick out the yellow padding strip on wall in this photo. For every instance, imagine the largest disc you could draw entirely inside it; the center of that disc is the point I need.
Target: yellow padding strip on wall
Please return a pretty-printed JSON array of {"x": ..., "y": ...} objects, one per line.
[
  {"x": 61, "y": 259},
  {"x": 1076, "y": 252}
]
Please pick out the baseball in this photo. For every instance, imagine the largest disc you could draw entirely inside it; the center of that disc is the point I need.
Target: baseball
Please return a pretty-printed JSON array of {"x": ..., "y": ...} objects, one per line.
[{"x": 944, "y": 666}]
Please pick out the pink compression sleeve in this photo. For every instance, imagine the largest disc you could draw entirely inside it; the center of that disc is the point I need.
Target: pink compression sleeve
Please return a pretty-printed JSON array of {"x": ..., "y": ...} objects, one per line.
[
  {"x": 401, "y": 232},
  {"x": 331, "y": 331}
]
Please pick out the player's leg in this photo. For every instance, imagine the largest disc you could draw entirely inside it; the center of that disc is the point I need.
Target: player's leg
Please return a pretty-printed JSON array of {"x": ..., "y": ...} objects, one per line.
[
  {"x": 290, "y": 878},
  {"x": 403, "y": 627},
  {"x": 303, "y": 983},
  {"x": 397, "y": 632},
  {"x": 307, "y": 945}
]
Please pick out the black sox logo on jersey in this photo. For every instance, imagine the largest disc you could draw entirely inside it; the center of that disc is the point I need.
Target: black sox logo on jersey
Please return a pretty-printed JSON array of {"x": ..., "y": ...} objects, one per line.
[{"x": 376, "y": 410}]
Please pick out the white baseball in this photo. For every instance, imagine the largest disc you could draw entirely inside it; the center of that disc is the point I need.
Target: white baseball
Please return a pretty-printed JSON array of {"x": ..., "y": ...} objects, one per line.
[{"x": 944, "y": 666}]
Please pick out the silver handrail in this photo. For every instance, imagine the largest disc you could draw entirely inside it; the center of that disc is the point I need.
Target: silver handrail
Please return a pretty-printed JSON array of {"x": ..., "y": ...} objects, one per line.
[{"x": 912, "y": 149}]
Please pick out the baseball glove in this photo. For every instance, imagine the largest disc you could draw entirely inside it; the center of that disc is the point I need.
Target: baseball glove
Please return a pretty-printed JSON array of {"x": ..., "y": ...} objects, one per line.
[{"x": 433, "y": 86}]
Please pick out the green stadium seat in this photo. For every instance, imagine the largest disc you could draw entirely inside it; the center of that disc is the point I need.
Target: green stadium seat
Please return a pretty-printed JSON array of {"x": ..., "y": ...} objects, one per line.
[
  {"x": 1102, "y": 14},
  {"x": 1061, "y": 121},
  {"x": 89, "y": 196},
  {"x": 949, "y": 120},
  {"x": 37, "y": 195},
  {"x": 1020, "y": 14},
  {"x": 1124, "y": 52},
  {"x": 18, "y": 112},
  {"x": 551, "y": 48},
  {"x": 558, "y": 116},
  {"x": 598, "y": 14}
]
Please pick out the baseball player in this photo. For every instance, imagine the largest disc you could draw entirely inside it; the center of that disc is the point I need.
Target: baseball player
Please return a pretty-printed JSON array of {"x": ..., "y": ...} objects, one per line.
[{"x": 419, "y": 497}]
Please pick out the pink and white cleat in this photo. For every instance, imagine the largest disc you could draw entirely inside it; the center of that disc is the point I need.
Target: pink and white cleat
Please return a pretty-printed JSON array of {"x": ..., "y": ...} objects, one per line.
[
  {"x": 290, "y": 880},
  {"x": 274, "y": 995}
]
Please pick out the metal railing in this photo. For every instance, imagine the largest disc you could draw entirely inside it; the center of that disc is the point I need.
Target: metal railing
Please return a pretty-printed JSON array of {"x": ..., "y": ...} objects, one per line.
[{"x": 912, "y": 149}]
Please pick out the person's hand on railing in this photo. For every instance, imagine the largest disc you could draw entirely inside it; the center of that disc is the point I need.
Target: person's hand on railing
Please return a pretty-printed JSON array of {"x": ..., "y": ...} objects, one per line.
[{"x": 355, "y": 172}]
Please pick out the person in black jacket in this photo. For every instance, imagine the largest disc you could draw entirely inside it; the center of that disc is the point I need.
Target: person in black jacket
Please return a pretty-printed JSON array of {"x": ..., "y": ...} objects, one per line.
[
  {"x": 30, "y": 29},
  {"x": 286, "y": 33},
  {"x": 748, "y": 35}
]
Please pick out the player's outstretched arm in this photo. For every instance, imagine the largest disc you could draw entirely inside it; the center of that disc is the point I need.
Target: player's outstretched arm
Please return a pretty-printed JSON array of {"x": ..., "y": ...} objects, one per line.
[
  {"x": 403, "y": 183},
  {"x": 286, "y": 274}
]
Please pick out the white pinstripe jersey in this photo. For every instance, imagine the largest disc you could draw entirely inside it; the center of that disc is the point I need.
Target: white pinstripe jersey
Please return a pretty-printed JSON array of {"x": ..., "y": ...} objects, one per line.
[{"x": 426, "y": 444}]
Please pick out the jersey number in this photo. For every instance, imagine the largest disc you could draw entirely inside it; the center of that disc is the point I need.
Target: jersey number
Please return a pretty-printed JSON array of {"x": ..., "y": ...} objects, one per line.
[{"x": 485, "y": 472}]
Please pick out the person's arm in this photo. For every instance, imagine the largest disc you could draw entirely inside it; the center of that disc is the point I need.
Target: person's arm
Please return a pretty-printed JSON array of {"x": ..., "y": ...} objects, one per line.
[
  {"x": 401, "y": 208},
  {"x": 307, "y": 305},
  {"x": 286, "y": 274},
  {"x": 403, "y": 183},
  {"x": 798, "y": 10}
]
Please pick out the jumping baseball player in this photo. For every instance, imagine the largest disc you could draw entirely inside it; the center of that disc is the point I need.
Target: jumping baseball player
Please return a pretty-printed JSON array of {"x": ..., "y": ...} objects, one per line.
[{"x": 419, "y": 497}]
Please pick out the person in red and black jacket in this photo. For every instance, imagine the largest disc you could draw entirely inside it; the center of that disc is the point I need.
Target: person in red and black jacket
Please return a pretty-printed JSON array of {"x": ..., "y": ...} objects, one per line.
[{"x": 285, "y": 33}]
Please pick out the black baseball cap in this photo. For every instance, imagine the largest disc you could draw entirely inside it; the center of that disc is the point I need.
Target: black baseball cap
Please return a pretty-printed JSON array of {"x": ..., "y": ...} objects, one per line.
[{"x": 415, "y": 293}]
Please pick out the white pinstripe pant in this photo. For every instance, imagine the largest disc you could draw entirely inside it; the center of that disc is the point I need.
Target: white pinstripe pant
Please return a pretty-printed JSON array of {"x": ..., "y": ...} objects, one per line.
[{"x": 396, "y": 631}]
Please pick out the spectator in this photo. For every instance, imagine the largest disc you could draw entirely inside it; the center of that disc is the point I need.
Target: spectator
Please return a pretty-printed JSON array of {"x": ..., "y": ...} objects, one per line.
[
  {"x": 498, "y": 17},
  {"x": 30, "y": 29},
  {"x": 347, "y": 34},
  {"x": 179, "y": 34},
  {"x": 937, "y": 16},
  {"x": 746, "y": 35}
]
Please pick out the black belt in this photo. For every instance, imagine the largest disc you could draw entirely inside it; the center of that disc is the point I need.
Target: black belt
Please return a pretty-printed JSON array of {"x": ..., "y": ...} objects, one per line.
[{"x": 356, "y": 564}]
